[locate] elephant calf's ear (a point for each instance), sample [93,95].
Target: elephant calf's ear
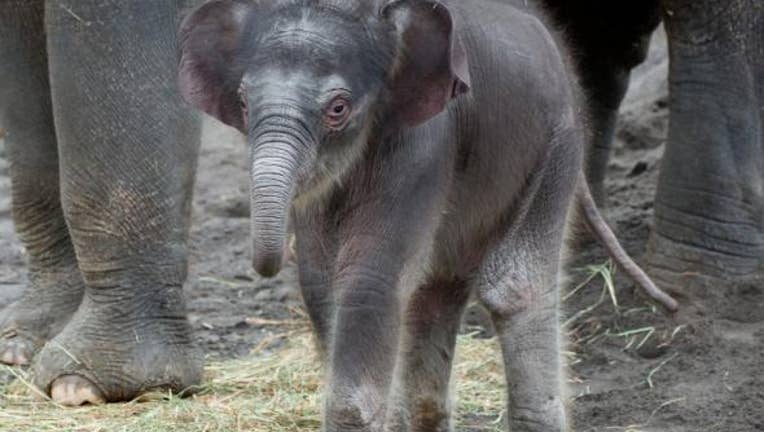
[207,71]
[431,67]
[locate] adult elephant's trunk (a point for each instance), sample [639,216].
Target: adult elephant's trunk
[275,163]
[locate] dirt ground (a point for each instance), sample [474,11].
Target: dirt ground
[631,368]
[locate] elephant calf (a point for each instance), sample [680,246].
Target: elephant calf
[421,150]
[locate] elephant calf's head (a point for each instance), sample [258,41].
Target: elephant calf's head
[312,83]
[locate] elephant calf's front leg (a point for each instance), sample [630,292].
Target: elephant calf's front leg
[372,263]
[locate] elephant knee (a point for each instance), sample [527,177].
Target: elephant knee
[515,295]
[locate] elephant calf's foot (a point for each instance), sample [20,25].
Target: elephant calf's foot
[353,415]
[113,354]
[43,310]
[426,415]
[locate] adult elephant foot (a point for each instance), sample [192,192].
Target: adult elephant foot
[42,311]
[704,280]
[674,262]
[116,352]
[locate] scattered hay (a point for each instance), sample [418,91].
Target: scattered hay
[278,387]
[269,391]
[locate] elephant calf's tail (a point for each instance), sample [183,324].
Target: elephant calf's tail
[602,231]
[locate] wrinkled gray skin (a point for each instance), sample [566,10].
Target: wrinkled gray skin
[100,201]
[709,206]
[452,171]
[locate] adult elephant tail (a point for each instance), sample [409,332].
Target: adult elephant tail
[588,209]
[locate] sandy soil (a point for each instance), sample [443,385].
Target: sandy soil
[632,368]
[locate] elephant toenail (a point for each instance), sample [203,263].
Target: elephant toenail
[73,390]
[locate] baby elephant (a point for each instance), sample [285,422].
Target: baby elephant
[421,150]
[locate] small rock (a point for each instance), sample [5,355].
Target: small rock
[652,349]
[264,295]
[286,292]
[639,168]
[241,325]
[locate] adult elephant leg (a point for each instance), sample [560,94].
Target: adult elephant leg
[709,208]
[608,40]
[55,285]
[128,154]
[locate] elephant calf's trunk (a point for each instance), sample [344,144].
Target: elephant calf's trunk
[274,169]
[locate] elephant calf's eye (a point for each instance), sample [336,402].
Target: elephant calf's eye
[337,113]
